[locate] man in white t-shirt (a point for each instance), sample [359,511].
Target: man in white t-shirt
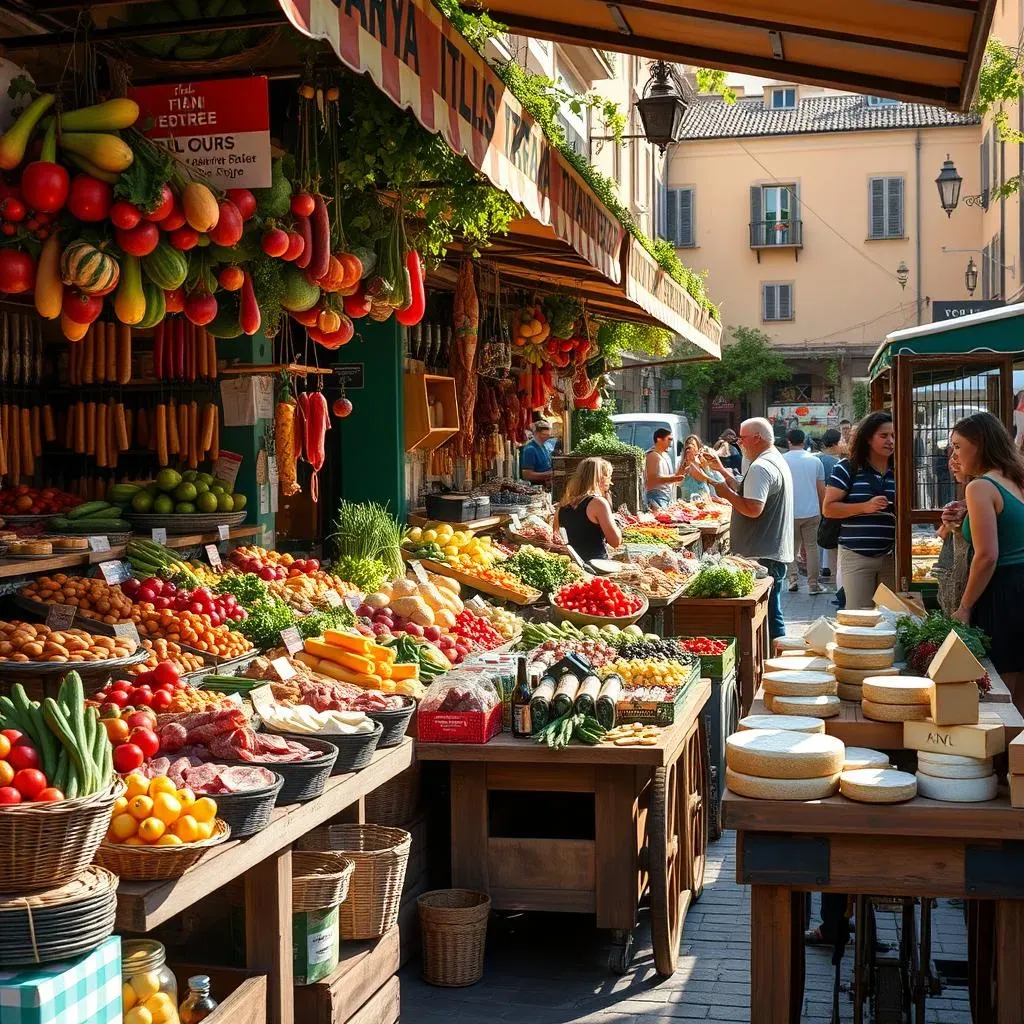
[808,493]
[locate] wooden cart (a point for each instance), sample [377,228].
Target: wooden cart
[648,828]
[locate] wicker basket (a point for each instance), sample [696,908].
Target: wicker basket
[154,863]
[47,844]
[247,58]
[355,750]
[319,880]
[303,780]
[454,927]
[396,802]
[395,723]
[375,892]
[248,811]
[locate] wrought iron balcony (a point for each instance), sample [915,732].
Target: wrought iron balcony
[776,234]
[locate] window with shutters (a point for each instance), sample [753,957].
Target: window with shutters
[776,302]
[986,163]
[679,217]
[885,208]
[775,216]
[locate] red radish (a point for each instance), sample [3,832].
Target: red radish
[90,199]
[164,207]
[228,229]
[124,215]
[200,308]
[305,229]
[17,272]
[249,310]
[296,245]
[175,300]
[184,238]
[175,219]
[140,240]
[230,278]
[79,307]
[341,407]
[275,242]
[244,200]
[302,204]
[358,305]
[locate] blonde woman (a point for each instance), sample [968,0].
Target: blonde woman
[585,512]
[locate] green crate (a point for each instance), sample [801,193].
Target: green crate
[655,712]
[716,666]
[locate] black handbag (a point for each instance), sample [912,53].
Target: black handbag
[828,532]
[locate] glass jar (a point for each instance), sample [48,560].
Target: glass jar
[199,1004]
[149,992]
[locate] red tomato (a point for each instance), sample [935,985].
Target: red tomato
[141,695]
[146,740]
[18,271]
[124,215]
[9,795]
[90,199]
[166,205]
[166,674]
[127,757]
[23,755]
[29,782]
[140,240]
[147,679]
[141,720]
[162,699]
[50,795]
[117,698]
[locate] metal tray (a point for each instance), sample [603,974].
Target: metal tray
[17,520]
[14,669]
[199,523]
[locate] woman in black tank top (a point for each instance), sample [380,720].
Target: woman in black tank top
[585,512]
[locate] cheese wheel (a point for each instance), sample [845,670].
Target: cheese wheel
[877,785]
[789,643]
[788,723]
[853,676]
[794,684]
[847,657]
[894,712]
[849,691]
[864,757]
[824,706]
[777,754]
[866,638]
[897,690]
[798,663]
[962,768]
[960,791]
[858,617]
[933,757]
[781,789]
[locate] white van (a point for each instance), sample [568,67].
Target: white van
[638,428]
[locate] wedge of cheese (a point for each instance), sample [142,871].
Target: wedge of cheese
[897,690]
[788,723]
[789,643]
[798,663]
[1016,754]
[954,663]
[986,739]
[894,712]
[819,635]
[796,684]
[777,754]
[864,757]
[1016,790]
[846,657]
[950,766]
[885,598]
[960,791]
[781,789]
[877,785]
[858,617]
[824,706]
[869,638]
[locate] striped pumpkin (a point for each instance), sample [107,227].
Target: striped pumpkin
[89,269]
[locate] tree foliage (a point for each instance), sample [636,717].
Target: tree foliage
[1000,83]
[861,400]
[713,80]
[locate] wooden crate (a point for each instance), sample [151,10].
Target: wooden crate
[627,482]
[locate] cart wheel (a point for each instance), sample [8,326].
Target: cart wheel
[620,956]
[696,816]
[669,881]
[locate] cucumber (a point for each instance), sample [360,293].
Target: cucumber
[98,526]
[108,512]
[86,508]
[60,522]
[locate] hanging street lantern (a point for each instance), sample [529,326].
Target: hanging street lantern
[971,276]
[902,274]
[661,107]
[949,183]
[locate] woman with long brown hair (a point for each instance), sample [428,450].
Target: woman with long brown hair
[585,513]
[993,599]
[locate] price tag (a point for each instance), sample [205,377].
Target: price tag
[214,556]
[128,629]
[115,572]
[477,603]
[224,531]
[333,599]
[60,616]
[419,572]
[262,698]
[514,522]
[159,534]
[99,544]
[284,668]
[291,640]
[354,601]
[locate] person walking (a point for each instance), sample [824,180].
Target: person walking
[828,539]
[762,501]
[993,599]
[585,512]
[535,459]
[660,475]
[862,495]
[808,491]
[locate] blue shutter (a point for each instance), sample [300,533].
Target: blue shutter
[876,193]
[685,235]
[672,215]
[785,301]
[770,308]
[894,208]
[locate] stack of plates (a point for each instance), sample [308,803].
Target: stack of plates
[955,777]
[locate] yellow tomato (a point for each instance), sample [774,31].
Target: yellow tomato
[133,841]
[145,985]
[169,839]
[429,536]
[186,797]
[415,534]
[162,784]
[138,785]
[140,807]
[166,807]
[205,829]
[451,549]
[204,809]
[138,1015]
[445,533]
[120,805]
[128,997]
[124,826]
[186,829]
[151,830]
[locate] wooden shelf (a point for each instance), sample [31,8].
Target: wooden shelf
[422,392]
[294,369]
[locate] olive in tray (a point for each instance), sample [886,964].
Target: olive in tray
[667,649]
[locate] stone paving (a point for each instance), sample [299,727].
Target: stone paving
[551,969]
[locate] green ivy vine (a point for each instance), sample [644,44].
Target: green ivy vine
[1001,82]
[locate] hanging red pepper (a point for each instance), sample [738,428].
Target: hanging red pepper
[413,314]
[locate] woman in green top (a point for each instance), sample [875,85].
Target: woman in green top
[993,599]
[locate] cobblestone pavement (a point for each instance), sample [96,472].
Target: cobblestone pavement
[551,969]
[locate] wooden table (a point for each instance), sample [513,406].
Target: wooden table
[745,618]
[645,814]
[265,861]
[922,848]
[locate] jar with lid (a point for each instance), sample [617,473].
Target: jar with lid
[149,992]
[198,1004]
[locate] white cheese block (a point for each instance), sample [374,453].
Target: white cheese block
[877,785]
[954,663]
[864,757]
[788,723]
[776,754]
[962,768]
[897,690]
[796,684]
[885,598]
[961,791]
[858,617]
[849,691]
[781,789]
[820,634]
[798,663]
[894,712]
[824,706]
[789,643]
[846,657]
[854,676]
[865,638]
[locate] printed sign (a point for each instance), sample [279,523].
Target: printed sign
[115,572]
[99,544]
[354,601]
[224,532]
[159,535]
[291,640]
[333,599]
[514,522]
[261,698]
[813,420]
[942,310]
[128,629]
[476,602]
[214,556]
[60,616]
[220,127]
[284,668]
[350,375]
[226,468]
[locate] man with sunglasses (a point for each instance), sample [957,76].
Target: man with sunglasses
[762,501]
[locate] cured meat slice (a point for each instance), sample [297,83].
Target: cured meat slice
[237,780]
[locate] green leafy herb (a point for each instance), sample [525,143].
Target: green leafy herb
[605,446]
[365,573]
[315,623]
[539,569]
[720,581]
[367,530]
[248,588]
[266,620]
[142,183]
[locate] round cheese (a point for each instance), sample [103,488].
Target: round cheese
[789,643]
[877,785]
[962,768]
[849,691]
[863,757]
[788,723]
[897,689]
[798,663]
[824,706]
[933,757]
[781,789]
[869,638]
[847,657]
[797,684]
[858,617]
[961,791]
[894,712]
[853,676]
[776,754]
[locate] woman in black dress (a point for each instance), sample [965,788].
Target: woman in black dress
[585,513]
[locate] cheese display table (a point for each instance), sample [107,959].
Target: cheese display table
[921,848]
[629,820]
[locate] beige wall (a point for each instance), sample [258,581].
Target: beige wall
[845,294]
